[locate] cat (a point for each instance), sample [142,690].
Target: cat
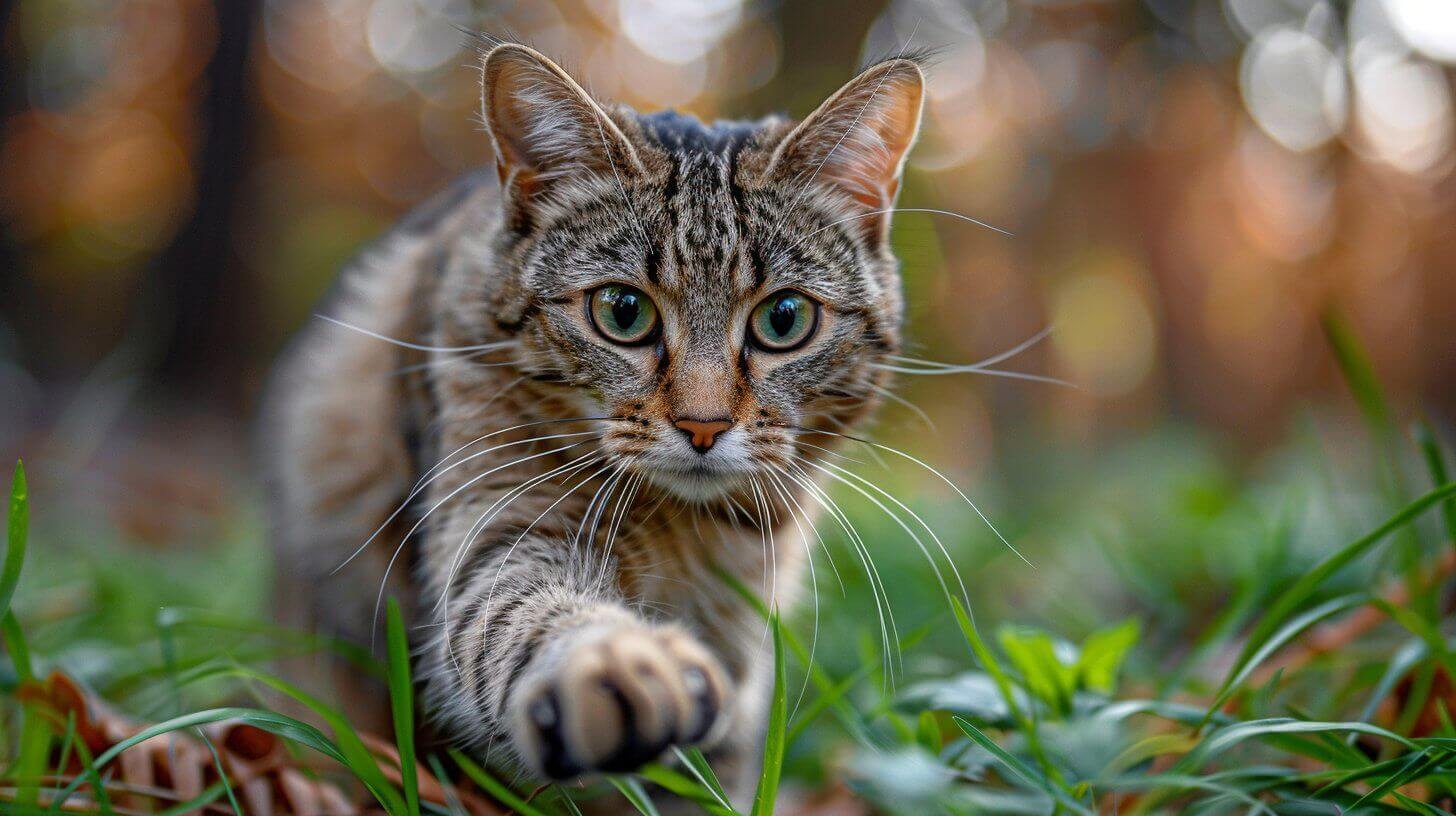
[557,403]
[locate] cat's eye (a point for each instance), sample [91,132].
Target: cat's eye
[623,314]
[783,321]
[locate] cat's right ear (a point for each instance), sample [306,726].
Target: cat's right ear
[545,127]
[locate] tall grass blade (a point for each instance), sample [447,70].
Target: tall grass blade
[1436,463]
[402,705]
[992,666]
[1302,589]
[1027,773]
[1277,641]
[697,764]
[17,530]
[348,748]
[35,732]
[497,789]
[34,751]
[847,715]
[284,726]
[632,791]
[778,723]
[90,775]
[686,787]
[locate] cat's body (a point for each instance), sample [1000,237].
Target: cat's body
[572,488]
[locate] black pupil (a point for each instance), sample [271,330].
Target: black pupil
[781,317]
[624,309]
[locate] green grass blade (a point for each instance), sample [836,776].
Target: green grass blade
[497,789]
[1436,464]
[284,726]
[452,802]
[347,747]
[1419,806]
[632,790]
[17,531]
[1359,375]
[778,722]
[196,804]
[1027,773]
[19,651]
[1286,633]
[222,776]
[686,787]
[1222,739]
[88,774]
[566,801]
[847,715]
[988,661]
[35,731]
[1417,767]
[697,764]
[1302,589]
[401,701]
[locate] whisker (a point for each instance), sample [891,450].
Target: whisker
[624,505]
[776,474]
[499,505]
[383,583]
[912,407]
[989,361]
[861,550]
[840,475]
[442,605]
[416,346]
[927,210]
[813,584]
[760,505]
[507,557]
[435,472]
[936,473]
[989,372]
[829,451]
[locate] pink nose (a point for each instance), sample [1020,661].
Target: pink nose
[702,433]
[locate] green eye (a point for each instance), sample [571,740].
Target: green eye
[784,321]
[622,314]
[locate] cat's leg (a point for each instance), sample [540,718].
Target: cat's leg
[543,654]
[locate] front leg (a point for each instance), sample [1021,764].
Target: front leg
[543,654]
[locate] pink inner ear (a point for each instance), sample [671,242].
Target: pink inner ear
[545,125]
[859,137]
[868,161]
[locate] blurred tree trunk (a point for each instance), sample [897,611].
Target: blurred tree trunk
[198,289]
[14,289]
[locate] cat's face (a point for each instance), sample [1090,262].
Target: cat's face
[718,291]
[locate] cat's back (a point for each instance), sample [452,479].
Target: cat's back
[330,432]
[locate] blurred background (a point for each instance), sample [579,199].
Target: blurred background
[1191,185]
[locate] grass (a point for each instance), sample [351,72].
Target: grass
[1192,639]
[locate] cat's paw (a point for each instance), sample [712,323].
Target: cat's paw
[613,699]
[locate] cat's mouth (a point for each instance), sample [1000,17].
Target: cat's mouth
[696,484]
[697,477]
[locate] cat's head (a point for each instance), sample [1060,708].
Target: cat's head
[717,288]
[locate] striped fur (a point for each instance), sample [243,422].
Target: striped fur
[561,546]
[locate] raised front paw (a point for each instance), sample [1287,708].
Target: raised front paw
[615,698]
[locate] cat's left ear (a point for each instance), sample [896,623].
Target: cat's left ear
[858,139]
[544,125]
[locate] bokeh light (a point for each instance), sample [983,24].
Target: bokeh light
[1190,185]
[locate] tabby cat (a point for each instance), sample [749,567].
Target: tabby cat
[557,403]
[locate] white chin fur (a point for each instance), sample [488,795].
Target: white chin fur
[698,484]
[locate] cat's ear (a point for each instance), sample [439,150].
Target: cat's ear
[544,125]
[858,139]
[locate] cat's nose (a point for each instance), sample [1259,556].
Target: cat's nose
[702,433]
